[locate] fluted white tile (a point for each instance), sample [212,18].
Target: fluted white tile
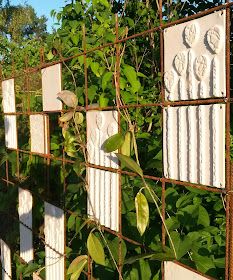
[25,218]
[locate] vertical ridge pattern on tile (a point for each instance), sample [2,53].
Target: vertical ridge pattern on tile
[39,131]
[25,218]
[54,242]
[10,132]
[103,198]
[173,271]
[6,261]
[8,96]
[51,86]
[182,148]
[194,143]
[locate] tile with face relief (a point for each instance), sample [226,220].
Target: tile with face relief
[103,198]
[194,58]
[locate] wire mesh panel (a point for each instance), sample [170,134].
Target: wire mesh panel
[103,201]
[190,108]
[5,261]
[25,218]
[54,242]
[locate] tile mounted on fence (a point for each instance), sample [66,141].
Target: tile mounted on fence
[195,60]
[51,86]
[39,131]
[25,217]
[103,201]
[10,125]
[8,96]
[194,144]
[55,245]
[173,271]
[5,261]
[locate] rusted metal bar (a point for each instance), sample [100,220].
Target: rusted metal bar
[229,198]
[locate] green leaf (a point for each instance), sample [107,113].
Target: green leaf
[130,163]
[142,212]
[203,264]
[78,118]
[172,223]
[77,266]
[113,143]
[126,147]
[133,259]
[103,101]
[66,117]
[50,55]
[106,79]
[95,68]
[203,217]
[95,249]
[131,76]
[220,262]
[182,246]
[114,248]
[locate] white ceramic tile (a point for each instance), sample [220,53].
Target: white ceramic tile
[8,96]
[5,261]
[103,200]
[55,239]
[194,58]
[25,217]
[51,86]
[194,144]
[10,132]
[173,271]
[38,131]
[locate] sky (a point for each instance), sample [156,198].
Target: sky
[43,7]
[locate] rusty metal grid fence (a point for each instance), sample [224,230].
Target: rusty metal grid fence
[227,192]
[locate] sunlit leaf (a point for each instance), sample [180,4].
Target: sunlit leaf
[79,118]
[142,212]
[130,163]
[77,266]
[113,143]
[95,249]
[126,147]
